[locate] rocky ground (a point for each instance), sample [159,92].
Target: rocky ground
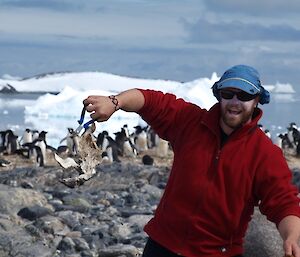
[41,217]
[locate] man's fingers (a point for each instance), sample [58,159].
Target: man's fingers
[98,117]
[90,100]
[90,108]
[94,116]
[291,249]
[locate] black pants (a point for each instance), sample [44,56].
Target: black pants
[153,249]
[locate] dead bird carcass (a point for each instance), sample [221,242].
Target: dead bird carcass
[87,157]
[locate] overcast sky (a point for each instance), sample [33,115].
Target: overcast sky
[167,39]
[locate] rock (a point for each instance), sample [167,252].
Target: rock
[13,199]
[119,250]
[33,212]
[147,160]
[154,192]
[139,220]
[8,89]
[51,225]
[81,244]
[120,231]
[67,245]
[262,239]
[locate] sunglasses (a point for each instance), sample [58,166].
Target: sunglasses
[241,95]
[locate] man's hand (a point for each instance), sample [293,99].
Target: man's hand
[289,229]
[100,107]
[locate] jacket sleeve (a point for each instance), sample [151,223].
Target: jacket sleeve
[165,113]
[277,196]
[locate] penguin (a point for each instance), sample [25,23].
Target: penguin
[35,134]
[2,141]
[71,141]
[152,138]
[126,130]
[27,136]
[140,139]
[129,150]
[261,127]
[108,146]
[291,137]
[120,138]
[278,140]
[26,141]
[38,149]
[102,141]
[129,146]
[268,133]
[76,140]
[113,149]
[162,148]
[296,135]
[11,143]
[106,156]
[298,149]
[124,144]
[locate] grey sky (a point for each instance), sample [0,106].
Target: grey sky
[166,39]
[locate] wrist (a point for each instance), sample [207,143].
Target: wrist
[114,101]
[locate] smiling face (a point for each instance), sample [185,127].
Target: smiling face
[234,112]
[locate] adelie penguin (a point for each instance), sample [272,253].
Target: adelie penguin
[38,149]
[140,139]
[27,136]
[11,144]
[72,142]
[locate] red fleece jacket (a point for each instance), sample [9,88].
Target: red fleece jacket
[211,192]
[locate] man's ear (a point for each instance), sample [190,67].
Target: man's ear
[257,99]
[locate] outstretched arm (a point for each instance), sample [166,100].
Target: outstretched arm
[289,229]
[102,107]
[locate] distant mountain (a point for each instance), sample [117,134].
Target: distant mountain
[55,82]
[8,89]
[82,81]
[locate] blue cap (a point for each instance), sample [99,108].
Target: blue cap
[245,78]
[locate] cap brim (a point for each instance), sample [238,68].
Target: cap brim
[239,84]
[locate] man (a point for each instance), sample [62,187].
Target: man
[223,166]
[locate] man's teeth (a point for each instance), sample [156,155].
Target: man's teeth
[234,112]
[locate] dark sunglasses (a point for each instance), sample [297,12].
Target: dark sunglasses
[241,95]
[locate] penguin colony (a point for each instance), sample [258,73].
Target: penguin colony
[83,152]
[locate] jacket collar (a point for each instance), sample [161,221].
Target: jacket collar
[212,120]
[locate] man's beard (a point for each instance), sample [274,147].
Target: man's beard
[236,121]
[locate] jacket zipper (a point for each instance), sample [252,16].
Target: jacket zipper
[217,157]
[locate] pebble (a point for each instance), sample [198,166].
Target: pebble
[41,217]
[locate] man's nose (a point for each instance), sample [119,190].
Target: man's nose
[234,99]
